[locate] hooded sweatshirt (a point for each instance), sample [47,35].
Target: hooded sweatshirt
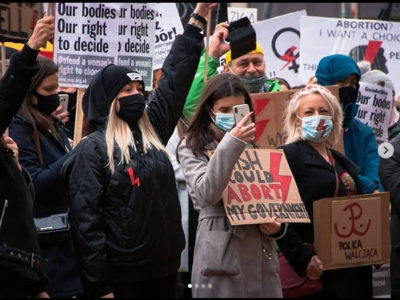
[359,139]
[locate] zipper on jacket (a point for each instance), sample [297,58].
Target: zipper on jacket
[3,213]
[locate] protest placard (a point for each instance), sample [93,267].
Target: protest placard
[90,36]
[85,40]
[168,26]
[373,40]
[137,23]
[269,111]
[280,39]
[352,231]
[375,108]
[262,187]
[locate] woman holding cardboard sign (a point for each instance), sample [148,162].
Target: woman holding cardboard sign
[313,124]
[229,261]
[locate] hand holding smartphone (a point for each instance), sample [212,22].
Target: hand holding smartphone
[64,98]
[240,111]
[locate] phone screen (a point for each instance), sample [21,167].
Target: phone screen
[240,111]
[64,98]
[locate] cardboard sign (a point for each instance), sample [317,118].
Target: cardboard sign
[17,21]
[352,231]
[262,187]
[375,108]
[269,111]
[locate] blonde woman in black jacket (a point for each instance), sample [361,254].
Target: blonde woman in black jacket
[125,211]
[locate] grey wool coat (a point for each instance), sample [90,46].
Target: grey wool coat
[229,261]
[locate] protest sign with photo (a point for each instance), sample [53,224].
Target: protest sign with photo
[90,36]
[375,107]
[17,21]
[262,187]
[352,231]
[168,26]
[280,39]
[370,40]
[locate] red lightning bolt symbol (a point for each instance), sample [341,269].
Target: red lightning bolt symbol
[132,176]
[259,106]
[288,56]
[322,127]
[285,180]
[372,51]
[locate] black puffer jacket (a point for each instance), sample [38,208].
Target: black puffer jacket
[128,226]
[17,229]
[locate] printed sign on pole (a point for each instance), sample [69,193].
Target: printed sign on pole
[168,26]
[84,41]
[136,39]
[373,41]
[280,39]
[90,36]
[375,108]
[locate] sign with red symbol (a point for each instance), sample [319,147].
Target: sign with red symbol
[269,112]
[352,231]
[262,187]
[375,41]
[280,39]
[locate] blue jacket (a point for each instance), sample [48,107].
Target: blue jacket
[359,140]
[361,147]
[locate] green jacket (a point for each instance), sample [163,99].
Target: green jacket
[198,84]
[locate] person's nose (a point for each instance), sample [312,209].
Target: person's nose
[251,69]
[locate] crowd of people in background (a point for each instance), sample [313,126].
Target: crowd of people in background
[141,184]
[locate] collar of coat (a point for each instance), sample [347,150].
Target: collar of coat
[312,157]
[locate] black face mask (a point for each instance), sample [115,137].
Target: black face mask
[347,95]
[131,108]
[47,104]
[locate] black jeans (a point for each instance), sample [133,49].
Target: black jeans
[153,288]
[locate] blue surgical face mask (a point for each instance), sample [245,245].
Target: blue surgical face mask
[316,128]
[224,122]
[253,84]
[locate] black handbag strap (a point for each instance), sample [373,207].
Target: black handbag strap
[332,160]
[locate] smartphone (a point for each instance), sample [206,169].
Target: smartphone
[64,98]
[240,111]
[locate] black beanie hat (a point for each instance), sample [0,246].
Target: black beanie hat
[103,89]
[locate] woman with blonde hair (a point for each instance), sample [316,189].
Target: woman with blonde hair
[125,210]
[313,124]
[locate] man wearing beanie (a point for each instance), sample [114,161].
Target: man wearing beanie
[125,213]
[359,139]
[250,68]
